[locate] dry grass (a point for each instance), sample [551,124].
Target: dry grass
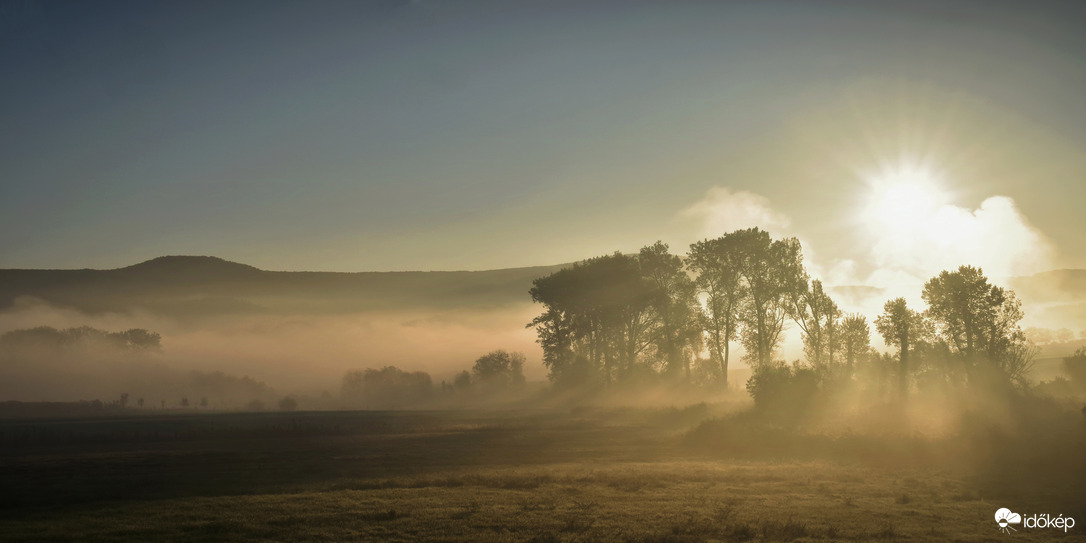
[555,478]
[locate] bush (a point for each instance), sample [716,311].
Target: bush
[387,387]
[288,404]
[783,391]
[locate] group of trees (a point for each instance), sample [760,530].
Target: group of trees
[614,317]
[47,337]
[1045,336]
[608,315]
[495,372]
[617,317]
[969,333]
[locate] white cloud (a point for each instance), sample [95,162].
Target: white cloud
[722,210]
[995,237]
[905,249]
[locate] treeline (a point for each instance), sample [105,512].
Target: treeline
[1046,336]
[627,317]
[655,316]
[116,370]
[47,337]
[495,375]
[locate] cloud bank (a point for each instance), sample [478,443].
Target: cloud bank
[995,237]
[900,255]
[722,210]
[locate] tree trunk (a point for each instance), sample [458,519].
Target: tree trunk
[724,364]
[903,371]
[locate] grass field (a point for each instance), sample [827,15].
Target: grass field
[580,475]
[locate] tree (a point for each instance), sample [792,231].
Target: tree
[597,318]
[817,316]
[499,368]
[978,321]
[772,270]
[676,332]
[124,400]
[138,339]
[184,402]
[855,339]
[387,387]
[462,381]
[139,403]
[288,403]
[719,267]
[900,327]
[961,304]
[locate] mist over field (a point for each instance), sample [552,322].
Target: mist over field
[542,272]
[299,333]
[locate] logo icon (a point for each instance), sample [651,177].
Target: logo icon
[1004,518]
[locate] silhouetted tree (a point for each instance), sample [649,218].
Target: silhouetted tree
[676,332]
[217,384]
[978,321]
[900,327]
[288,403]
[499,368]
[718,265]
[139,403]
[462,380]
[124,400]
[773,270]
[184,402]
[597,318]
[781,391]
[388,386]
[855,339]
[138,339]
[817,316]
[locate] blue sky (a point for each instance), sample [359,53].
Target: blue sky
[356,136]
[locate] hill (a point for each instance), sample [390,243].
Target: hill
[194,286]
[202,286]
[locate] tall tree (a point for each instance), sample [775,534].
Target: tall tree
[817,316]
[977,320]
[772,270]
[597,317]
[855,338]
[718,264]
[901,327]
[961,303]
[674,306]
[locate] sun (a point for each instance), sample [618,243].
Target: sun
[903,199]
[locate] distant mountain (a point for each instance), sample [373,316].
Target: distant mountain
[195,286]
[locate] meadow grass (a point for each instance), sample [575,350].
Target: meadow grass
[485,477]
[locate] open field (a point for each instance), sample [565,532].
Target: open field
[580,475]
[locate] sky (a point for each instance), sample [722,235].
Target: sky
[894,139]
